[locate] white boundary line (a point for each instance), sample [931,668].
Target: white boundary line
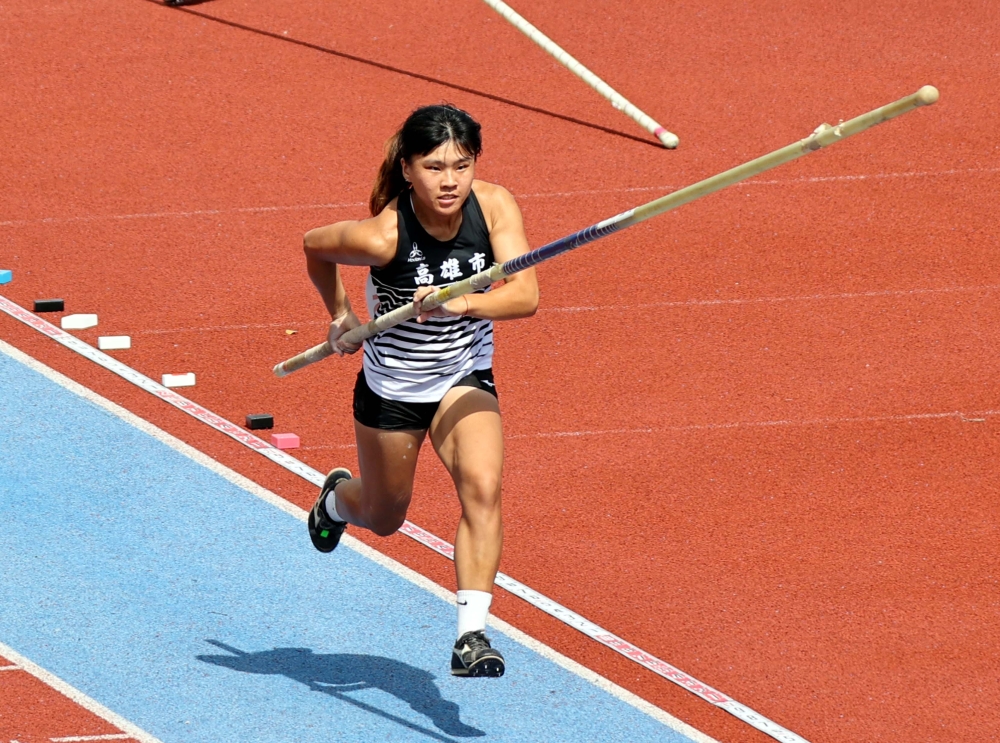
[74,738]
[132,731]
[382,560]
[410,529]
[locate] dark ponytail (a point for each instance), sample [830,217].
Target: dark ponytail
[425,130]
[389,182]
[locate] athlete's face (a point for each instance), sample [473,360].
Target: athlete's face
[441,179]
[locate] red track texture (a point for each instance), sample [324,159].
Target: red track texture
[33,712]
[756,437]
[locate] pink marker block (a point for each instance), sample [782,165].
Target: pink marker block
[285,440]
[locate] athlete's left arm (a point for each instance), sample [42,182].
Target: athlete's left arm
[518,295]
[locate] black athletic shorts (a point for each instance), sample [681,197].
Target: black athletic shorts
[392,415]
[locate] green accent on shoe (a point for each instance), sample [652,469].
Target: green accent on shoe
[324,532]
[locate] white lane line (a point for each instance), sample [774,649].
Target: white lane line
[771,182]
[113,736]
[10,668]
[877,176]
[630,308]
[191,213]
[441,546]
[975,417]
[133,731]
[546,195]
[290,325]
[623,308]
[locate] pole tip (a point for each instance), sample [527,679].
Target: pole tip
[279,371]
[927,95]
[669,139]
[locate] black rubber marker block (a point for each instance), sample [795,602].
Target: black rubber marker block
[49,305]
[262,420]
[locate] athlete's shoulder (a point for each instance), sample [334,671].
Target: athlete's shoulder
[388,218]
[385,231]
[495,201]
[490,191]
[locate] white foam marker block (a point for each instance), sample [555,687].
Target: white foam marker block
[178,380]
[78,322]
[114,342]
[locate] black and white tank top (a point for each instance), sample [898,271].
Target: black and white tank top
[420,362]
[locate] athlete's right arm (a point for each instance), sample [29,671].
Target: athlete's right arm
[366,242]
[369,242]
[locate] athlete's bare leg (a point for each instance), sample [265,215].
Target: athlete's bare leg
[467,435]
[379,498]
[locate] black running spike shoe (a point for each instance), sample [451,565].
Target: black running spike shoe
[324,531]
[473,656]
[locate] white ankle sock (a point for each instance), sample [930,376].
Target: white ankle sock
[473,607]
[331,507]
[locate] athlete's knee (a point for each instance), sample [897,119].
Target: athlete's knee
[388,513]
[481,495]
[388,523]
[484,487]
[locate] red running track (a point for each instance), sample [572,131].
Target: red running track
[756,437]
[32,711]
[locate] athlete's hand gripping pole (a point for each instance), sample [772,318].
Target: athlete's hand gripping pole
[823,136]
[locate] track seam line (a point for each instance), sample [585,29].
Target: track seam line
[91,705]
[539,195]
[441,546]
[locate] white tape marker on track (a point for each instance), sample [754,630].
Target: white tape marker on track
[410,529]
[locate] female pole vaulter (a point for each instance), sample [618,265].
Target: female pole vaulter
[431,224]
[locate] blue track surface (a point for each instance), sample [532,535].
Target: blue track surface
[202,613]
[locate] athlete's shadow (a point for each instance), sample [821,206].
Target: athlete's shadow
[337,673]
